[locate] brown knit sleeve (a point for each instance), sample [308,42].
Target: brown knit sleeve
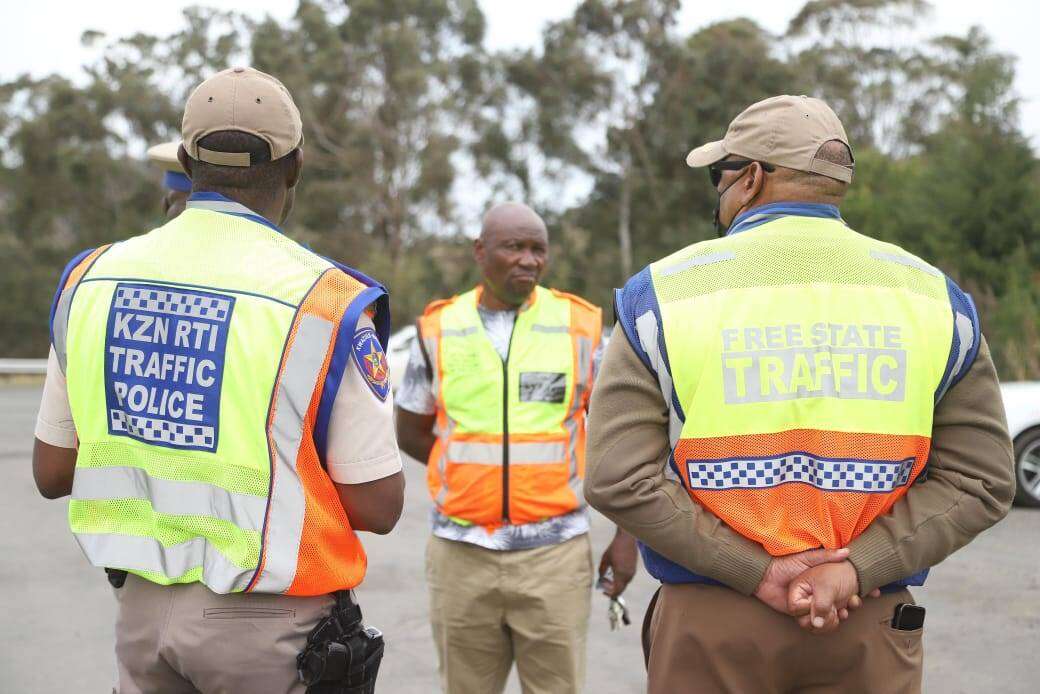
[969,487]
[627,459]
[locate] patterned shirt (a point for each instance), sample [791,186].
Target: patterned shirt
[415,394]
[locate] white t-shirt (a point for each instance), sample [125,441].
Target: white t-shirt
[362,444]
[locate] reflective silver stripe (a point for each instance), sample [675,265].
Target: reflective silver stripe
[219,206]
[573,480]
[442,462]
[646,328]
[697,261]
[292,398]
[148,554]
[876,476]
[173,497]
[432,350]
[582,383]
[550,328]
[458,332]
[905,260]
[432,345]
[966,337]
[61,326]
[521,453]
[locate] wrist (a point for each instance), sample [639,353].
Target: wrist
[851,575]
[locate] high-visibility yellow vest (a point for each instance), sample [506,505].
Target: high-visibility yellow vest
[802,363]
[510,433]
[200,363]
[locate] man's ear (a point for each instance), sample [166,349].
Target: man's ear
[185,160]
[756,180]
[295,168]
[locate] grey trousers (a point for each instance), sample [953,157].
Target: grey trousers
[187,639]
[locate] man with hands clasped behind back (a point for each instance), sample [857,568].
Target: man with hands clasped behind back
[798,413]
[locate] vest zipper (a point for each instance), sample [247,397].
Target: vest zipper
[505,422]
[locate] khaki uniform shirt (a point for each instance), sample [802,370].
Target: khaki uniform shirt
[970,482]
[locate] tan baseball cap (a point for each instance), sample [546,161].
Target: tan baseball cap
[246,100]
[784,130]
[165,156]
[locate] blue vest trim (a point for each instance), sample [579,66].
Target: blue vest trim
[965,328]
[69,267]
[341,353]
[636,299]
[204,197]
[763,214]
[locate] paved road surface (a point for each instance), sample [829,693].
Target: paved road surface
[983,632]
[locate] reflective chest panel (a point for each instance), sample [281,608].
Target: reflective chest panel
[802,362]
[198,359]
[510,433]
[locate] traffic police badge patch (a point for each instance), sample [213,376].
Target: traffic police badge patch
[371,362]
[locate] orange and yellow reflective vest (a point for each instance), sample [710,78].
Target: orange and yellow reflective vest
[510,433]
[801,362]
[202,362]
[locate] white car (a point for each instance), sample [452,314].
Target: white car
[400,344]
[1022,403]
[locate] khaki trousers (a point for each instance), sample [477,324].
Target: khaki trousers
[489,608]
[712,639]
[185,639]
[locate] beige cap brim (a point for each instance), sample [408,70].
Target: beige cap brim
[706,155]
[165,155]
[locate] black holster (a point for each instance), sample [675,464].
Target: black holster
[342,655]
[116,577]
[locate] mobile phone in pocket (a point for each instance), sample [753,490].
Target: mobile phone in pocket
[908,617]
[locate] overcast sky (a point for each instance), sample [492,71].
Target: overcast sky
[42,36]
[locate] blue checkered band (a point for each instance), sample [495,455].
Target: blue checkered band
[169,302]
[832,475]
[162,431]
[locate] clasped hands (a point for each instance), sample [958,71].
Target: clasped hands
[818,588]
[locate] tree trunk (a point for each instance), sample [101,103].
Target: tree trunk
[624,223]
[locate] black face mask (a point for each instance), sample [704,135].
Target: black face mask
[719,229]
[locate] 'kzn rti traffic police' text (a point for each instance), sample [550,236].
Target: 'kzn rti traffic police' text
[164,364]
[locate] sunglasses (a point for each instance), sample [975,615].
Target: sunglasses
[716,169]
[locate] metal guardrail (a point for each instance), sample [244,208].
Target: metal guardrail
[23,366]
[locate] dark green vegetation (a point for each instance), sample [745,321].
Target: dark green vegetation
[413,126]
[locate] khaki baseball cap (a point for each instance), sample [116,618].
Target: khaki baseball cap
[165,156]
[246,100]
[785,131]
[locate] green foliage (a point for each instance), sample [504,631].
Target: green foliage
[412,127]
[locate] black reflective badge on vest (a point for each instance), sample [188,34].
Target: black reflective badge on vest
[542,386]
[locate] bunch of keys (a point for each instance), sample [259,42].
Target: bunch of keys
[617,610]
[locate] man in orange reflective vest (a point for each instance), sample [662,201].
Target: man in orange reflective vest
[494,400]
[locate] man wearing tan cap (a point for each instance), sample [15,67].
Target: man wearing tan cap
[218,406]
[766,426]
[176,183]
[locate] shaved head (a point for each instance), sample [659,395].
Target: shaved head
[509,216]
[512,252]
